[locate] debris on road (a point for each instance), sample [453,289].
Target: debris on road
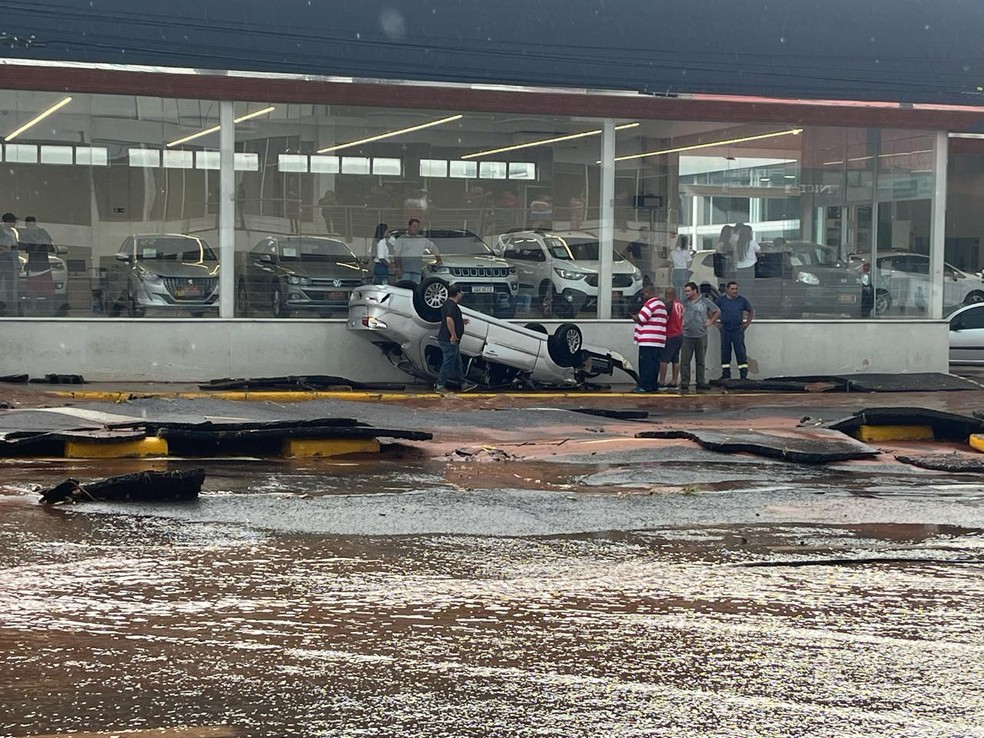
[146,486]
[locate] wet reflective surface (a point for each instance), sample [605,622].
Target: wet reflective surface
[340,599]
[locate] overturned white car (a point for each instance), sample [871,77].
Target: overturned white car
[495,353]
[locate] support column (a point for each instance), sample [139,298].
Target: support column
[937,237]
[607,235]
[227,210]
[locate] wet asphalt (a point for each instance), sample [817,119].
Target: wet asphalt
[601,589]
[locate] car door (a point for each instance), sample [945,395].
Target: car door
[967,336]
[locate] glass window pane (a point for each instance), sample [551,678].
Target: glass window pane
[463,169]
[355,165]
[96,156]
[247,162]
[207,160]
[321,164]
[22,153]
[522,170]
[492,170]
[292,163]
[145,158]
[433,168]
[56,154]
[179,159]
[387,166]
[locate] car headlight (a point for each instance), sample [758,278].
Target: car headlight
[512,270]
[57,266]
[807,278]
[295,279]
[438,269]
[636,276]
[148,276]
[570,274]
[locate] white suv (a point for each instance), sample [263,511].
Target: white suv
[560,271]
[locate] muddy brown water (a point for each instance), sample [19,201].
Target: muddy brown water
[354,599]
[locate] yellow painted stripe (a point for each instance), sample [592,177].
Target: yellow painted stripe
[308,447]
[116,450]
[361,396]
[977,441]
[870,433]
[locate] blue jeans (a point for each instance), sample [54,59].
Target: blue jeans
[649,367]
[733,338]
[451,365]
[380,273]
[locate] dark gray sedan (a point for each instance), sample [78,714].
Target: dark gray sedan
[286,274]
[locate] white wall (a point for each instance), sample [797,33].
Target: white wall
[198,350]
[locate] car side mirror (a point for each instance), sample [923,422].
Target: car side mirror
[61,250]
[266,258]
[126,258]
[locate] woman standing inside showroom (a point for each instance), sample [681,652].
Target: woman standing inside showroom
[380,255]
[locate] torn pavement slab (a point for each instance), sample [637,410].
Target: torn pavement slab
[812,446]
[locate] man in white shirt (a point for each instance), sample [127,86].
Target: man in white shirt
[408,251]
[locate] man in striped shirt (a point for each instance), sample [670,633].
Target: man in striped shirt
[650,336]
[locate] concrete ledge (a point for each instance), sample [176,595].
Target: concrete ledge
[116,450]
[875,433]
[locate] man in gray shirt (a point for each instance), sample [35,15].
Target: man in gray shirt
[408,252]
[698,314]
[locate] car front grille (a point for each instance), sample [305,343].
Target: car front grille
[493,272]
[618,280]
[328,283]
[177,286]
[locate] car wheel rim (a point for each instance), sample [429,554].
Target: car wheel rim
[881,303]
[435,295]
[975,298]
[573,341]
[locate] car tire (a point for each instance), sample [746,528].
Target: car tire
[974,297]
[242,300]
[429,298]
[277,303]
[883,302]
[564,346]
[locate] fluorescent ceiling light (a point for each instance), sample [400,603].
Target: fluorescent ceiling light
[544,141]
[726,142]
[213,129]
[399,132]
[38,118]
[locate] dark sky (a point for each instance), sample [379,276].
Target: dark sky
[894,50]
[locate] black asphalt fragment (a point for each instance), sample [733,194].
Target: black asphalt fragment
[804,447]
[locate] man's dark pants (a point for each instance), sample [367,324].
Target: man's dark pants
[733,338]
[649,367]
[696,349]
[451,365]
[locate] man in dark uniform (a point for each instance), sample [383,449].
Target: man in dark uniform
[449,338]
[736,316]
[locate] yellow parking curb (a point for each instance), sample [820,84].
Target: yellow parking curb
[355,396]
[116,449]
[977,441]
[874,433]
[312,447]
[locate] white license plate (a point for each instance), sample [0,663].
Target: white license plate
[483,289]
[193,291]
[847,298]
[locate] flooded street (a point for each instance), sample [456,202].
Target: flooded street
[348,599]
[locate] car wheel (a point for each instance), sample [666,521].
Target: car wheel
[564,346]
[883,302]
[430,297]
[277,303]
[242,300]
[974,297]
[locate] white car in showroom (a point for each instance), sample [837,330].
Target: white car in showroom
[560,271]
[495,353]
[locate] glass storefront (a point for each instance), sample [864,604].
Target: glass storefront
[125,193]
